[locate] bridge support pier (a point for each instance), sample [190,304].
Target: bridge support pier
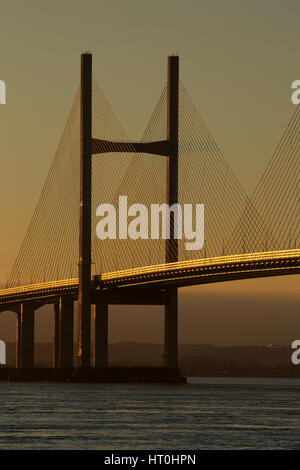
[56,336]
[25,336]
[100,334]
[63,333]
[171,328]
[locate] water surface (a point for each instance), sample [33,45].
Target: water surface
[207,413]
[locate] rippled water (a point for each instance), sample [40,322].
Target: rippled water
[204,414]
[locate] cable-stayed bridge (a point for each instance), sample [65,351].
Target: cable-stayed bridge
[61,260]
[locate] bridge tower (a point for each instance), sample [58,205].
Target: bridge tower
[171,305]
[84,303]
[89,146]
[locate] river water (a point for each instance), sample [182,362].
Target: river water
[206,413]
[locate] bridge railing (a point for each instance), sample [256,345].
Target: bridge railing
[201,262]
[40,286]
[158,268]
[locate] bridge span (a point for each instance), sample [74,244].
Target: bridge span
[179,274]
[148,285]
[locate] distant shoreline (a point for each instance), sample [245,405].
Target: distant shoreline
[250,375]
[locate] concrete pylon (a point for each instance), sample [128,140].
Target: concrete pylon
[63,333]
[100,334]
[171,328]
[25,336]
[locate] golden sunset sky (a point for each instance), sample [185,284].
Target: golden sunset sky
[237,61]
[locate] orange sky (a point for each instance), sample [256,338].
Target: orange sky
[238,60]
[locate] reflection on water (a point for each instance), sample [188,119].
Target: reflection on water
[206,413]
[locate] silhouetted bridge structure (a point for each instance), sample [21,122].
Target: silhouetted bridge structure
[245,237]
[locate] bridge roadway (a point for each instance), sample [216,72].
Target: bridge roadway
[148,285]
[161,276]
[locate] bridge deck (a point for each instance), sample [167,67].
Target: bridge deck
[181,273]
